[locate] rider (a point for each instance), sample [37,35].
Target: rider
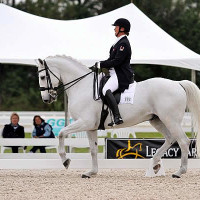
[121,73]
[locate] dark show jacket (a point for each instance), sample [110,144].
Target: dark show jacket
[120,56]
[10,132]
[40,130]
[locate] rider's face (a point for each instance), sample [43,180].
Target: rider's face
[116,30]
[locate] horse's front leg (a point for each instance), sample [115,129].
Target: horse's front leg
[93,141]
[61,150]
[77,126]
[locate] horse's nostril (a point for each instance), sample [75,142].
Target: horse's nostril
[45,101]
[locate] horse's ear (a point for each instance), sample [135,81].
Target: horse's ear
[40,61]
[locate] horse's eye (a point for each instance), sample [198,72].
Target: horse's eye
[42,77]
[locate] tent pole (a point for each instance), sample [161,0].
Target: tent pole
[193,76]
[66,107]
[66,111]
[193,79]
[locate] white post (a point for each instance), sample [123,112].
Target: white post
[66,113]
[193,79]
[66,107]
[193,76]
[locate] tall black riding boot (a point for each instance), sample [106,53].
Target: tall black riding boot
[104,114]
[114,107]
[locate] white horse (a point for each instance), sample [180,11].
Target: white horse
[160,101]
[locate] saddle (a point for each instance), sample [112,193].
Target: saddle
[104,111]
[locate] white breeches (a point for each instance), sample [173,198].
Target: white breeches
[112,84]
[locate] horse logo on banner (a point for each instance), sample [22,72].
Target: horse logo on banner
[121,153]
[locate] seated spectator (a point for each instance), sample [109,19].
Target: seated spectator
[13,130]
[41,130]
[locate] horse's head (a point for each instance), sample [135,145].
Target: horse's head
[49,78]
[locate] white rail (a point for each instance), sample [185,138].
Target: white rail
[79,160]
[86,163]
[26,120]
[47,142]
[40,156]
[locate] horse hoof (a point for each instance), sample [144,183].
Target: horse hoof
[66,163]
[175,176]
[85,176]
[156,168]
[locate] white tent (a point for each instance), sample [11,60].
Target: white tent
[25,37]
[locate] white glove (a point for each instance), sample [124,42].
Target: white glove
[97,64]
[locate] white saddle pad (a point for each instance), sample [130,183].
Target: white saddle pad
[128,95]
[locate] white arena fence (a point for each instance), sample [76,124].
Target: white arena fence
[57,120]
[79,160]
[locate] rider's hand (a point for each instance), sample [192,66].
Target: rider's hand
[93,68]
[97,65]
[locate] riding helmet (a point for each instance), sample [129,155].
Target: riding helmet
[122,22]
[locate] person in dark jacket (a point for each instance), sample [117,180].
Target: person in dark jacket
[118,63]
[41,130]
[13,130]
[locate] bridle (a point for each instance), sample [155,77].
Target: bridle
[53,90]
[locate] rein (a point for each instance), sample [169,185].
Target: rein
[72,82]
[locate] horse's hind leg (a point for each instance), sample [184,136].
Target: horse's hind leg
[159,126]
[178,134]
[184,143]
[92,136]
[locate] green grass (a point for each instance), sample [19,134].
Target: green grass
[100,148]
[155,135]
[148,135]
[86,150]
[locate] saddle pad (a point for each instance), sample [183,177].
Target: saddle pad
[128,95]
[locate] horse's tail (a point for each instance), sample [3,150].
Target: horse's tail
[193,104]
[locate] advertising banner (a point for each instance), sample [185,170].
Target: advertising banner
[57,124]
[143,148]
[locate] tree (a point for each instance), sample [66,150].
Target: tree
[19,90]
[77,9]
[60,9]
[181,20]
[110,5]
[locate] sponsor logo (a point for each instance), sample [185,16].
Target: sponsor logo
[172,152]
[144,148]
[57,125]
[121,153]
